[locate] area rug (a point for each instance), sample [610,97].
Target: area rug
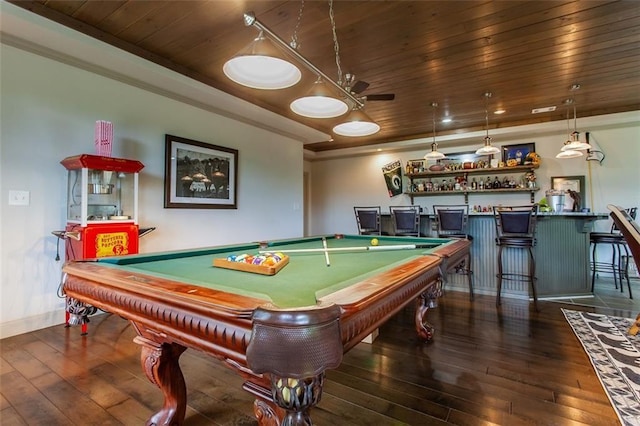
[615,356]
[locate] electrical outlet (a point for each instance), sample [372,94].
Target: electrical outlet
[18,198]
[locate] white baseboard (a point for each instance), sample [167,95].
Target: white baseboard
[36,322]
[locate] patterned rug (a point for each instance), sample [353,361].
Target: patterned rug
[615,356]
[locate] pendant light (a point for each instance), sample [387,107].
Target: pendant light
[356,123]
[327,98]
[262,66]
[574,143]
[566,152]
[487,149]
[434,154]
[319,103]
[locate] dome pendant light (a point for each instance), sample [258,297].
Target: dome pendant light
[487,149]
[574,142]
[327,98]
[319,103]
[565,151]
[434,154]
[356,123]
[260,66]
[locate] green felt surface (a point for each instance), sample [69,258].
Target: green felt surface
[299,283]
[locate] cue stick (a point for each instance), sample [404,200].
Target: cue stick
[365,248]
[326,251]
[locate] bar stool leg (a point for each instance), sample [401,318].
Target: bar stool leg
[469,281]
[593,267]
[532,277]
[614,267]
[624,268]
[499,275]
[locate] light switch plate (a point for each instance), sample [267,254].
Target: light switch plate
[18,198]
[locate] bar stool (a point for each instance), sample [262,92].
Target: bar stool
[451,222]
[406,220]
[619,265]
[515,228]
[368,220]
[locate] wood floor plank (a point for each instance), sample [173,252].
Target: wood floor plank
[10,417]
[393,412]
[79,408]
[32,406]
[103,393]
[486,366]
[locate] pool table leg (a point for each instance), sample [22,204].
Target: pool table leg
[297,397]
[428,299]
[160,364]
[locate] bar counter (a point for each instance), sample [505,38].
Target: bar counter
[562,255]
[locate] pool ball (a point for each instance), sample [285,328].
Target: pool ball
[374,241]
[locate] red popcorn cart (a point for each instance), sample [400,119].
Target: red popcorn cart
[102,214]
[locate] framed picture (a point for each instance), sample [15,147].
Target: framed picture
[415,166]
[465,160]
[392,173]
[199,175]
[517,153]
[574,188]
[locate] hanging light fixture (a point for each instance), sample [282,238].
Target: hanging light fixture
[262,66]
[356,123]
[566,152]
[487,149]
[321,101]
[434,154]
[574,143]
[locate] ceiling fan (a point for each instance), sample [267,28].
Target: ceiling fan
[358,86]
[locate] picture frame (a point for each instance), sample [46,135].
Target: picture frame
[415,166]
[199,175]
[574,183]
[465,160]
[517,152]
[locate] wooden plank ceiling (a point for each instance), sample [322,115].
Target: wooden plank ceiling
[527,53]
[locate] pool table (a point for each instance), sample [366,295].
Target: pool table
[279,332]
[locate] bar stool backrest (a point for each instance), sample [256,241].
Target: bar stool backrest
[406,220]
[629,228]
[451,220]
[630,212]
[368,220]
[516,221]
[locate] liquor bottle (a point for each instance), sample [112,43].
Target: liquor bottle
[481,185]
[474,184]
[488,184]
[496,183]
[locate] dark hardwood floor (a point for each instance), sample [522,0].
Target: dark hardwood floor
[507,366]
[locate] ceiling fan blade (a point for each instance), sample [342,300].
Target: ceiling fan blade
[359,86]
[381,97]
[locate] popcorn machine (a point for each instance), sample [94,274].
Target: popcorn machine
[102,215]
[102,206]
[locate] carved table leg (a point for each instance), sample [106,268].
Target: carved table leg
[297,397]
[428,299]
[265,414]
[160,364]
